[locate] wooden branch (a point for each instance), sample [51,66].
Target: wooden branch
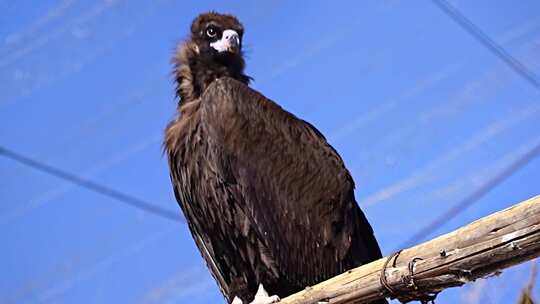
[480,249]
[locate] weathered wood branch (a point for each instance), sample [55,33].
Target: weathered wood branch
[480,249]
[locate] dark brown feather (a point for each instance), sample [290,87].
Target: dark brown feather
[267,194]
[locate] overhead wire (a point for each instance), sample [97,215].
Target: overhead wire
[507,172]
[120,196]
[489,43]
[473,197]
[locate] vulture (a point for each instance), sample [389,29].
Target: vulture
[268,201]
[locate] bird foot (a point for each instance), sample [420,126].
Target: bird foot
[237,300]
[261,297]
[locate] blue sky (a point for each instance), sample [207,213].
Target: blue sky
[420,111]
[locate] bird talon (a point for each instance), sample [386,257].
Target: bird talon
[262,297]
[237,300]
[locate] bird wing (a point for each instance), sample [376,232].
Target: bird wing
[295,191]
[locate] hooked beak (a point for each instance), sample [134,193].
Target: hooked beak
[229,42]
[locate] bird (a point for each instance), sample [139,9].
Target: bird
[268,201]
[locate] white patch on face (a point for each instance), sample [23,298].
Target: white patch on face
[227,41]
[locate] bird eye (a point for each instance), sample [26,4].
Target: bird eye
[211,32]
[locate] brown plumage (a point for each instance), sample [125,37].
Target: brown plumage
[267,199]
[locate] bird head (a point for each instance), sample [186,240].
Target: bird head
[213,50]
[218,34]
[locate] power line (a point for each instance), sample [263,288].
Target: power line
[92,186]
[474,197]
[489,43]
